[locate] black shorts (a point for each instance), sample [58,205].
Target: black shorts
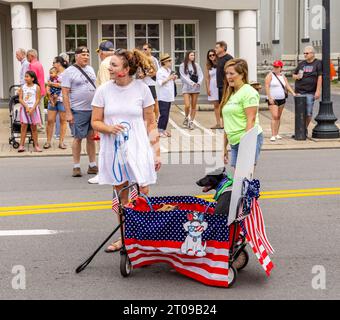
[153,91]
[278,102]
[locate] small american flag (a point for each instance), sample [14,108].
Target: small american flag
[157,237]
[133,193]
[256,236]
[115,201]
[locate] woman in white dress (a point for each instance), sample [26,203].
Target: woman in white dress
[211,85]
[123,113]
[192,78]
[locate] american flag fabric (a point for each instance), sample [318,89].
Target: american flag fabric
[255,231]
[158,237]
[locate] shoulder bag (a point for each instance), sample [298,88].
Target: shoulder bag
[283,86]
[85,74]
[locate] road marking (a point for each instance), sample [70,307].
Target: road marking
[173,123]
[58,205]
[11,233]
[106,205]
[197,124]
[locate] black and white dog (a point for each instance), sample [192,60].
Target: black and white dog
[220,181]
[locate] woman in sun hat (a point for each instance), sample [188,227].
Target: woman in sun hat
[277,88]
[166,93]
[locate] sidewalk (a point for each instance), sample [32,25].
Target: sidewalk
[182,140]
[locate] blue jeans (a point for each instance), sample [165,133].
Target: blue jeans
[234,151]
[164,111]
[57,126]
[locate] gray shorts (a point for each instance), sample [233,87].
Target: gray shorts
[82,124]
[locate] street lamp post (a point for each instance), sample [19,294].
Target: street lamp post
[326,128]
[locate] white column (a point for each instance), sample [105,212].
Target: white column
[47,38]
[21,33]
[247,40]
[225,30]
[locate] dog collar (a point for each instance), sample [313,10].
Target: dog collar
[224,184]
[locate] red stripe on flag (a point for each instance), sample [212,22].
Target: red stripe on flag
[210,256]
[173,244]
[195,276]
[203,266]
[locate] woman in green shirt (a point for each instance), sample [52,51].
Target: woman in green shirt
[239,109]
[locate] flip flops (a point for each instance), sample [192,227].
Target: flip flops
[21,149]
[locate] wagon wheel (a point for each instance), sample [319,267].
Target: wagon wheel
[242,260]
[232,275]
[125,265]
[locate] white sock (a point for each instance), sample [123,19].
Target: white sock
[77,165]
[93,164]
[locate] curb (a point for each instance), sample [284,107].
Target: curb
[264,149]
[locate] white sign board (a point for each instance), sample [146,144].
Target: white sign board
[244,168]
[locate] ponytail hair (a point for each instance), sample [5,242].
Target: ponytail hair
[33,75]
[135,60]
[62,61]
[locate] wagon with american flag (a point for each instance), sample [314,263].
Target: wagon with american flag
[190,237]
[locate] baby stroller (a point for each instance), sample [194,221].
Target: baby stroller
[14,115]
[190,238]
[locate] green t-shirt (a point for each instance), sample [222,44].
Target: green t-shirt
[234,115]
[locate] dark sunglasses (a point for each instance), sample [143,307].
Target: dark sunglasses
[212,55]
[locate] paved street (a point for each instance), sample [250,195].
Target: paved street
[303,227]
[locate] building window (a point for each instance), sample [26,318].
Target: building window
[306,19]
[74,34]
[148,33]
[117,33]
[185,38]
[276,20]
[132,34]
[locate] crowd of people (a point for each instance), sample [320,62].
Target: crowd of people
[128,104]
[70,92]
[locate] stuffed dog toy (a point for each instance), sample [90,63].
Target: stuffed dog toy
[220,181]
[193,244]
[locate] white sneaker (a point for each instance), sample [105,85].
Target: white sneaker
[94,180]
[191,125]
[186,122]
[278,137]
[272,139]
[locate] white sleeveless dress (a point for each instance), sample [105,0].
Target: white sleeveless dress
[213,85]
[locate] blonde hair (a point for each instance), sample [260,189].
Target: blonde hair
[135,59]
[241,67]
